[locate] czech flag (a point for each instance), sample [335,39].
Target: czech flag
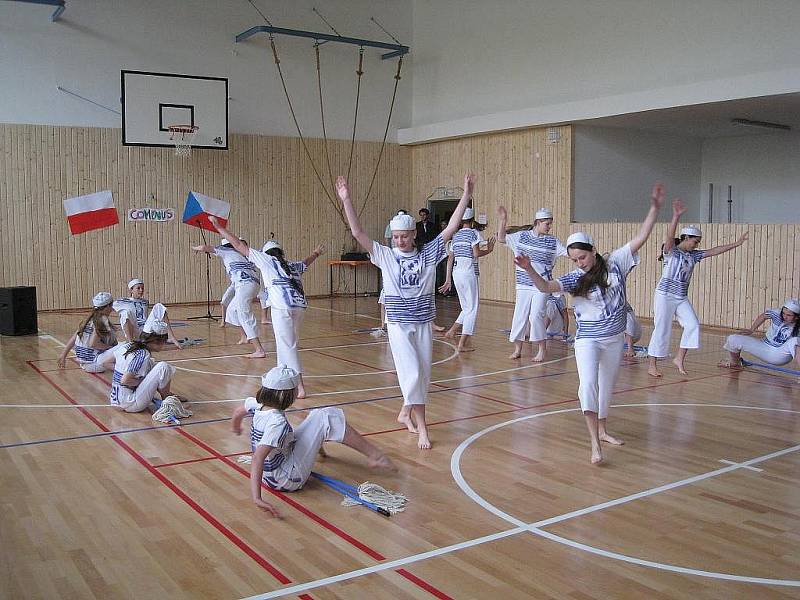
[93,211]
[198,207]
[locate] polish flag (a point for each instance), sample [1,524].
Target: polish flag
[93,211]
[198,207]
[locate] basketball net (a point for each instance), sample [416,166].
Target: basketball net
[182,136]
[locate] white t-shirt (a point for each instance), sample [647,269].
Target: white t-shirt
[778,332]
[238,268]
[542,250]
[678,269]
[409,280]
[136,363]
[285,289]
[462,244]
[602,312]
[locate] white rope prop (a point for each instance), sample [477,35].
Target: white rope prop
[171,408]
[379,496]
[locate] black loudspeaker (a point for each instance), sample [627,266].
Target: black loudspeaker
[18,311]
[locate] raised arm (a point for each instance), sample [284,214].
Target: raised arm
[204,248]
[256,473]
[350,212]
[458,213]
[477,252]
[502,224]
[677,210]
[542,284]
[232,238]
[656,202]
[726,247]
[318,251]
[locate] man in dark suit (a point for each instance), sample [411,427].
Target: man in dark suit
[426,229]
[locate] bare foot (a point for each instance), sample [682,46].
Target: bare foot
[515,355]
[382,463]
[301,392]
[438,327]
[729,364]
[679,365]
[467,349]
[405,418]
[257,354]
[222,323]
[597,456]
[423,443]
[322,452]
[242,340]
[653,371]
[539,356]
[610,439]
[629,353]
[451,333]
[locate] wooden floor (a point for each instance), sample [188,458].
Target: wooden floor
[702,502]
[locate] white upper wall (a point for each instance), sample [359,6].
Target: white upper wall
[763,173]
[615,170]
[483,66]
[94,39]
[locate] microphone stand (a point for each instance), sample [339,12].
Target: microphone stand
[208,314]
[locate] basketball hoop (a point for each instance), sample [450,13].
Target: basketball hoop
[182,136]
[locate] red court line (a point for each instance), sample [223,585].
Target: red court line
[315,517]
[174,488]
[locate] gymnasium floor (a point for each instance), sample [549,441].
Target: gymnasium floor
[703,500]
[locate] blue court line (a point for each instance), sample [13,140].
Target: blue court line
[291,410]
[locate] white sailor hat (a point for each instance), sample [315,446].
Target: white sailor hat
[101,299]
[270,245]
[692,230]
[793,305]
[280,378]
[157,327]
[543,213]
[402,223]
[580,237]
[224,241]
[469,214]
[134,282]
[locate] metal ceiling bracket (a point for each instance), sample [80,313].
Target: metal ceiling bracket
[59,4]
[397,49]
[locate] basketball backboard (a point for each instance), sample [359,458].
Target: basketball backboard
[151,102]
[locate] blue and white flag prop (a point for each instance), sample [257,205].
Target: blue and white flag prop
[199,207]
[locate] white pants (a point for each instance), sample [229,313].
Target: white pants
[138,399]
[632,327]
[760,349]
[157,314]
[412,351]
[598,364]
[96,366]
[466,283]
[530,308]
[227,297]
[556,320]
[321,425]
[263,298]
[240,311]
[664,310]
[286,325]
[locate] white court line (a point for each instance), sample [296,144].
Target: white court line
[534,527]
[320,394]
[730,462]
[438,362]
